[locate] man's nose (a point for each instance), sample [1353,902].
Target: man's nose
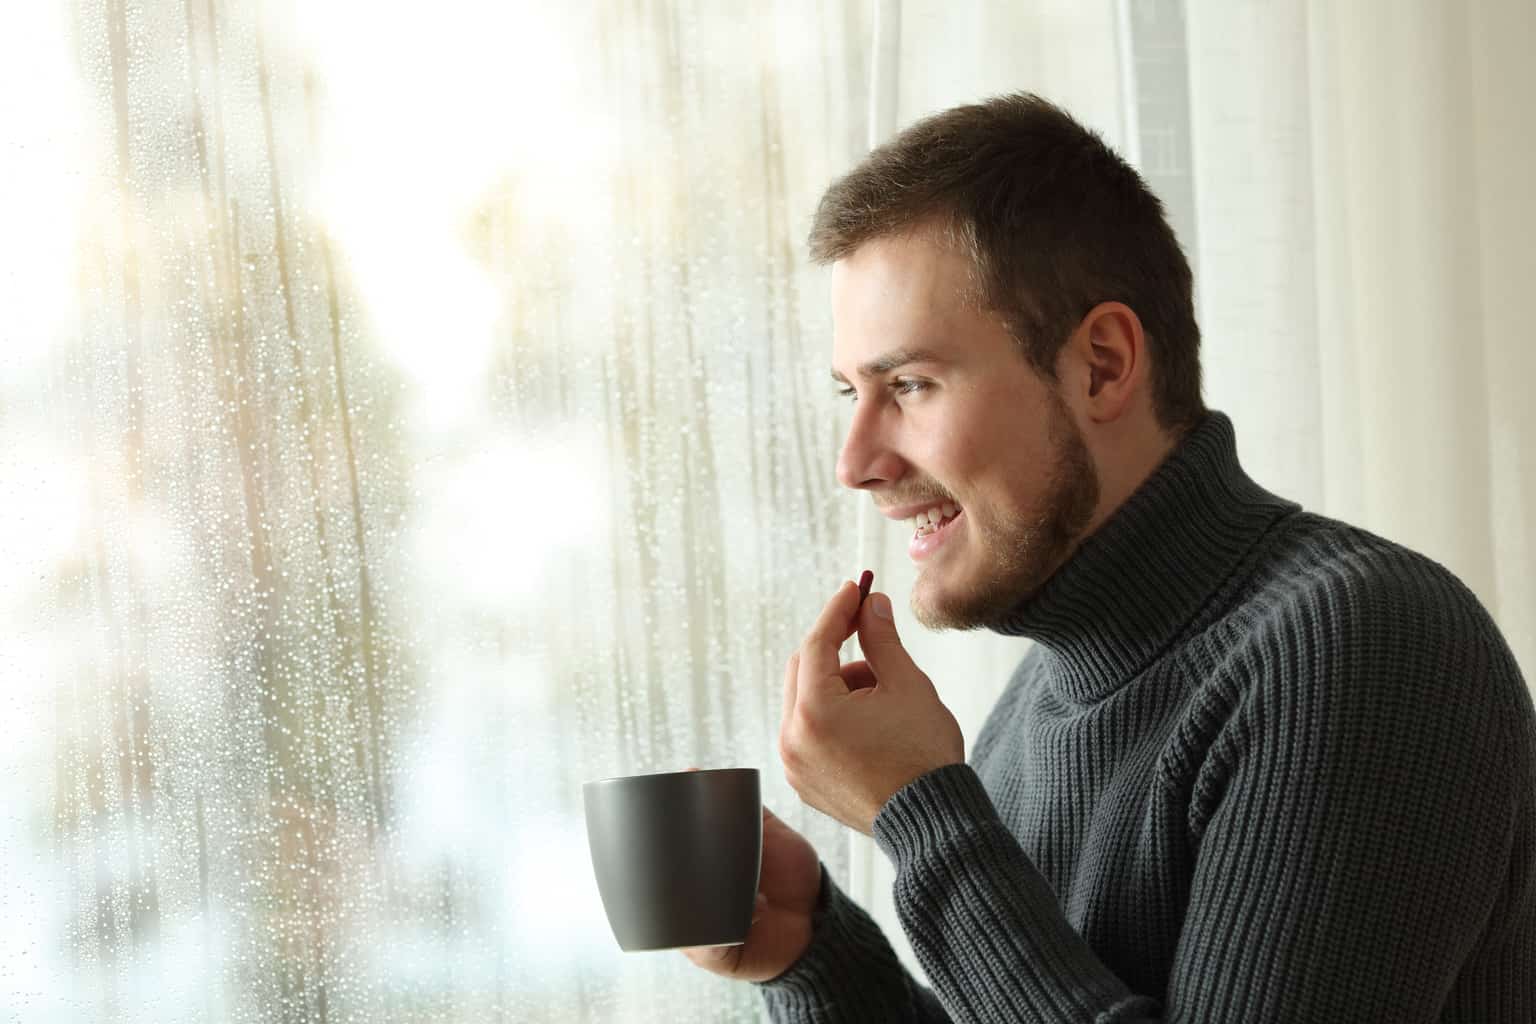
[867,458]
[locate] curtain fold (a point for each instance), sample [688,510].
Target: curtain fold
[1421,236]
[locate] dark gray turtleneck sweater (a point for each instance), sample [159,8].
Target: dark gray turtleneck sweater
[1259,766]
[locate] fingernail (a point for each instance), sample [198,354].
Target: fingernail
[880,605]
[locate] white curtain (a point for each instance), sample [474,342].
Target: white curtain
[1351,183]
[408,412]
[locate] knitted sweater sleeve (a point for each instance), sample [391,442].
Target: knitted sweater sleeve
[849,973]
[1352,824]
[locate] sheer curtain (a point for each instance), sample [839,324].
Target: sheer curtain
[408,413]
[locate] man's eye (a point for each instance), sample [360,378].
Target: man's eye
[901,386]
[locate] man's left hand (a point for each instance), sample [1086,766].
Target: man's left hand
[854,734]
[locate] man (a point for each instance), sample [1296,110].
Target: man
[1259,765]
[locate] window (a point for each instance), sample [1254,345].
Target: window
[408,413]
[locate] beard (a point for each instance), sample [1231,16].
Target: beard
[1026,548]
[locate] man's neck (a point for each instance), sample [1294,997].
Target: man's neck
[1132,585]
[1124,456]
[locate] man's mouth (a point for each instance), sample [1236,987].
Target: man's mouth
[932,519]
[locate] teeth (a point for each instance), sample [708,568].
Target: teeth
[929,520]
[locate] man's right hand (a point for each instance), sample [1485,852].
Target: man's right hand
[788,886]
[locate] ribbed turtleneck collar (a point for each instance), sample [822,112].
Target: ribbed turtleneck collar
[1135,582]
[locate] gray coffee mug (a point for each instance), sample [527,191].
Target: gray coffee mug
[677,855]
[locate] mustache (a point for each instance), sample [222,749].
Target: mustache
[915,498]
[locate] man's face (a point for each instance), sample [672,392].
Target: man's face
[947,411]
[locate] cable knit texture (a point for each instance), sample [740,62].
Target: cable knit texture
[1259,766]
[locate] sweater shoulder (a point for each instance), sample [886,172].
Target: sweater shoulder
[1307,553]
[1330,605]
[1316,571]
[1379,654]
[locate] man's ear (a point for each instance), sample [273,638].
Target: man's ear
[1109,363]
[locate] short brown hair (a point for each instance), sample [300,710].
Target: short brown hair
[1053,221]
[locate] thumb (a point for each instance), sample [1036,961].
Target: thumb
[879,640]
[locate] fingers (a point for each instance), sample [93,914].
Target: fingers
[815,666]
[791,671]
[818,653]
[858,675]
[882,645]
[712,958]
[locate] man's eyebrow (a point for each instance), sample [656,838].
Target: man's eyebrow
[892,360]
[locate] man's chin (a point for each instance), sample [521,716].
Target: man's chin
[940,603]
[938,609]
